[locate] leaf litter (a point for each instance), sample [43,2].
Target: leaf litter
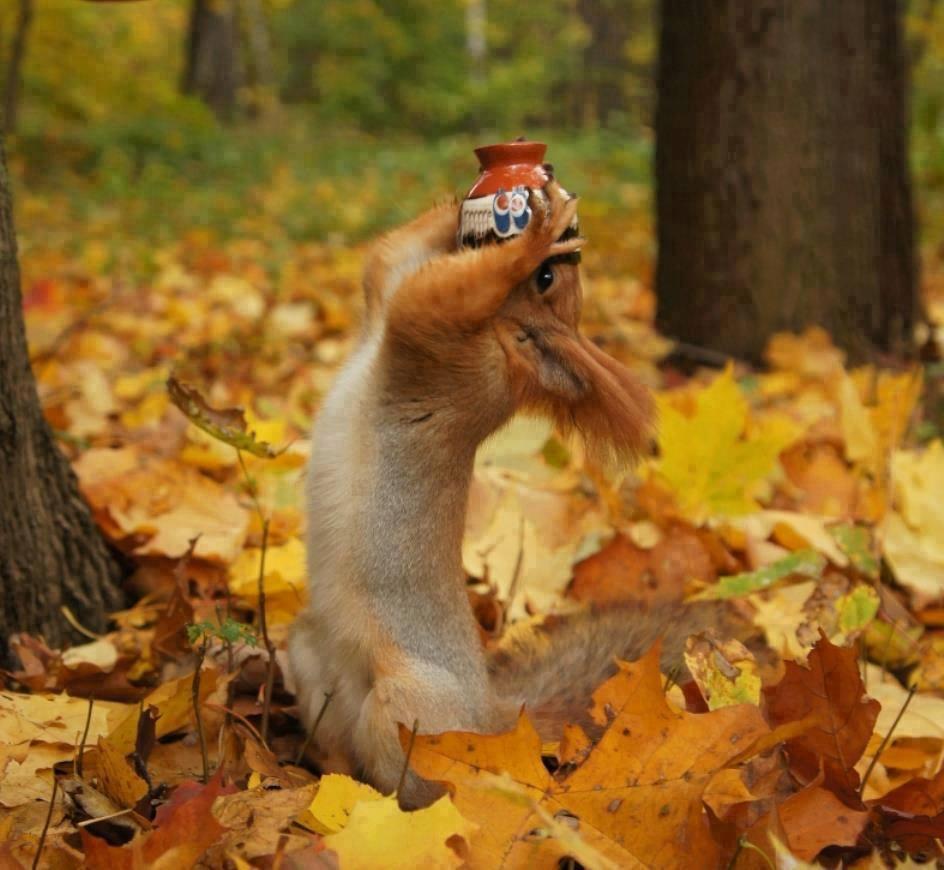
[800,493]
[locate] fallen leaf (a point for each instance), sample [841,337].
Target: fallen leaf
[158,506]
[803,563]
[815,818]
[380,834]
[330,810]
[832,690]
[709,460]
[725,671]
[637,796]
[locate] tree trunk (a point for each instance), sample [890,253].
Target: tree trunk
[605,64]
[783,195]
[51,553]
[212,70]
[14,74]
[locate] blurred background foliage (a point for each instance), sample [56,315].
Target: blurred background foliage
[348,114]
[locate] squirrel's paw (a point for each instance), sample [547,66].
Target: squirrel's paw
[553,214]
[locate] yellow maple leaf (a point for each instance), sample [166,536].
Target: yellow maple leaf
[330,810]
[380,834]
[284,580]
[716,461]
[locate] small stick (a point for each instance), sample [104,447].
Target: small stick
[263,624]
[195,697]
[884,743]
[409,752]
[115,815]
[88,723]
[42,836]
[311,734]
[74,622]
[516,574]
[264,628]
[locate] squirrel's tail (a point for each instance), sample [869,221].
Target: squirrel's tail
[554,669]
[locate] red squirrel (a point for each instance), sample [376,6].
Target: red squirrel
[455,342]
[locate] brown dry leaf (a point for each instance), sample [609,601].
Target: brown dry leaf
[117,778]
[54,718]
[184,829]
[815,818]
[830,688]
[619,570]
[259,818]
[636,797]
[819,479]
[174,701]
[157,506]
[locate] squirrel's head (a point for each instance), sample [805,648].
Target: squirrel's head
[554,369]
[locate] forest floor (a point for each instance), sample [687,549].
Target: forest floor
[809,493]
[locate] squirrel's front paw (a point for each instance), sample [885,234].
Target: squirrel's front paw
[554,213]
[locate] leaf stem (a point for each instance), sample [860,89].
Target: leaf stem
[885,740]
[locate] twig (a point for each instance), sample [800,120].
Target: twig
[409,752]
[264,628]
[311,734]
[516,574]
[263,623]
[88,723]
[74,622]
[114,815]
[195,696]
[884,743]
[42,836]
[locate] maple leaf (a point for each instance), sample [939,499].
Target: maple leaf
[711,461]
[185,828]
[380,834]
[831,689]
[636,798]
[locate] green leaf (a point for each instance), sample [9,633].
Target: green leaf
[856,543]
[857,609]
[807,563]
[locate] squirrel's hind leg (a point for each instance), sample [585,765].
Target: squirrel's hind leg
[437,705]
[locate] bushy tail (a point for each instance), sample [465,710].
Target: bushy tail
[554,669]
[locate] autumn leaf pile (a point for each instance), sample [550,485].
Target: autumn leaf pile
[808,494]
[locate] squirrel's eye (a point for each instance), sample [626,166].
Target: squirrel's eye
[544,277]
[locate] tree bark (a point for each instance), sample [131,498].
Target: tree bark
[14,74]
[51,553]
[212,70]
[783,195]
[605,65]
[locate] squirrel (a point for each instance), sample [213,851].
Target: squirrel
[455,342]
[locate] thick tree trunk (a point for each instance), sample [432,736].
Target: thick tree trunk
[212,70]
[14,72]
[51,553]
[783,195]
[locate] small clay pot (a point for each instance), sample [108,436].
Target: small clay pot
[497,208]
